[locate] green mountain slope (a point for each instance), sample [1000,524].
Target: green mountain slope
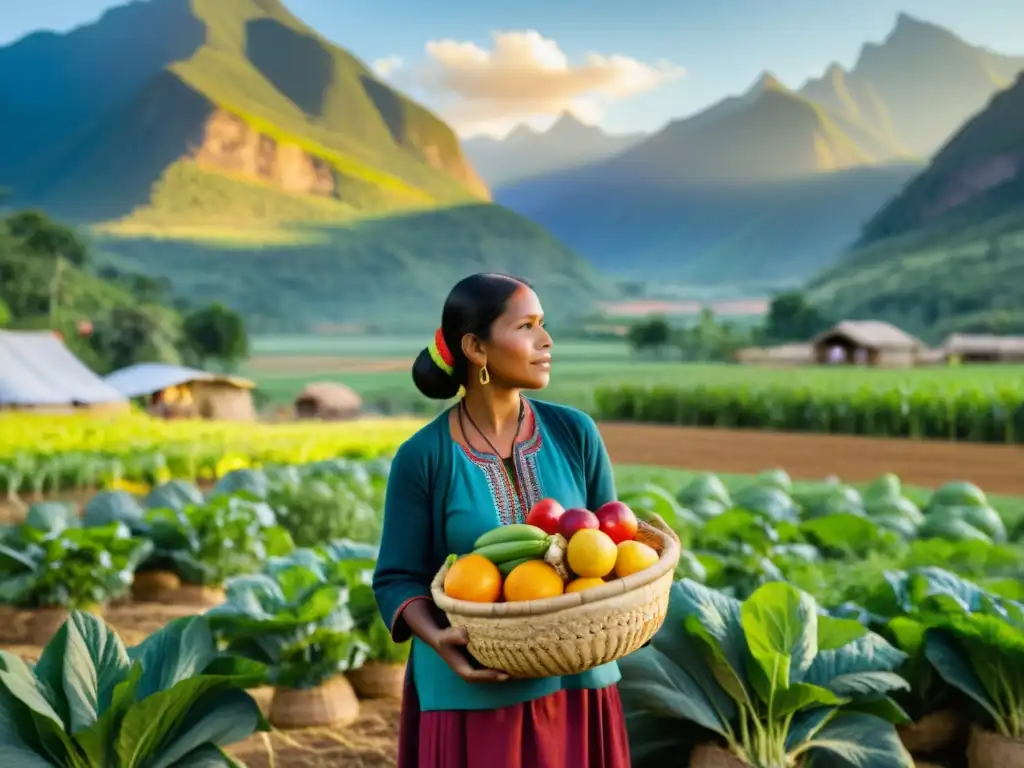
[947,253]
[246,135]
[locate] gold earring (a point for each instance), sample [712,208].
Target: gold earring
[485,375]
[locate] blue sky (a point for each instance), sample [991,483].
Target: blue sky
[662,58]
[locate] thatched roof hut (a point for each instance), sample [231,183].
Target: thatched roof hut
[187,392]
[866,342]
[327,400]
[984,348]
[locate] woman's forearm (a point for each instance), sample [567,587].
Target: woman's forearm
[424,620]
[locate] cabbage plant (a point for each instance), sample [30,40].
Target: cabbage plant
[66,567]
[778,683]
[211,542]
[295,617]
[171,702]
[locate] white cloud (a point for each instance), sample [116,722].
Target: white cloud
[387,66]
[525,77]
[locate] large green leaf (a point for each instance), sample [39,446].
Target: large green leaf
[15,730]
[182,649]
[207,756]
[82,664]
[781,626]
[863,666]
[800,696]
[954,668]
[652,682]
[98,741]
[856,740]
[719,614]
[218,719]
[22,684]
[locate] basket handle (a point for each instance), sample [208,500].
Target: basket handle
[656,521]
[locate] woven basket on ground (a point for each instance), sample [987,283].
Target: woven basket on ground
[992,750]
[571,633]
[155,586]
[377,680]
[714,756]
[330,705]
[932,733]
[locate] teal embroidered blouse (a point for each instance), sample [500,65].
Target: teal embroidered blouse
[441,496]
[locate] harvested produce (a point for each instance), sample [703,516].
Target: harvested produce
[592,554]
[473,578]
[533,580]
[576,520]
[545,515]
[633,557]
[535,564]
[582,583]
[617,520]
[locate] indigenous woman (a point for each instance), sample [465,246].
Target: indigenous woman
[482,463]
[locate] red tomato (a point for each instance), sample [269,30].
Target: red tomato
[618,521]
[545,514]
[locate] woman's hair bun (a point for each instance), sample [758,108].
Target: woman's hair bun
[431,381]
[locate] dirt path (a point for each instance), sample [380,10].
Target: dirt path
[324,364]
[996,468]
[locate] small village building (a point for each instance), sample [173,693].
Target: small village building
[866,342]
[328,400]
[983,348]
[176,392]
[783,355]
[38,372]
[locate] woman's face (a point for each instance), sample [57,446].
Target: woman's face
[518,353]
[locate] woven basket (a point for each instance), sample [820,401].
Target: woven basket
[993,750]
[571,633]
[933,733]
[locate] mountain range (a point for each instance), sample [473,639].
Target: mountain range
[526,152]
[227,146]
[202,138]
[946,254]
[773,184]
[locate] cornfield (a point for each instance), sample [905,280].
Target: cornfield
[972,413]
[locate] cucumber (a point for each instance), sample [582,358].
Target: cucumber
[513,532]
[513,550]
[510,565]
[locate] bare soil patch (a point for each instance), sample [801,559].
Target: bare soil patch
[995,468]
[323,364]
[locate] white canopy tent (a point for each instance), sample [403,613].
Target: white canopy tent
[36,369]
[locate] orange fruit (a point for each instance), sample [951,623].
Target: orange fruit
[591,553]
[473,578]
[634,556]
[533,580]
[578,585]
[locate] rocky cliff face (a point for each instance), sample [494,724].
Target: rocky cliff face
[232,145]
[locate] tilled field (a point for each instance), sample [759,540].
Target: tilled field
[996,468]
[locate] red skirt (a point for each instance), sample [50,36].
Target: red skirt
[568,729]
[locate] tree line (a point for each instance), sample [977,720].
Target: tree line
[110,317]
[790,318]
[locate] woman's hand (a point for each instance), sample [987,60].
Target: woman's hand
[429,624]
[449,643]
